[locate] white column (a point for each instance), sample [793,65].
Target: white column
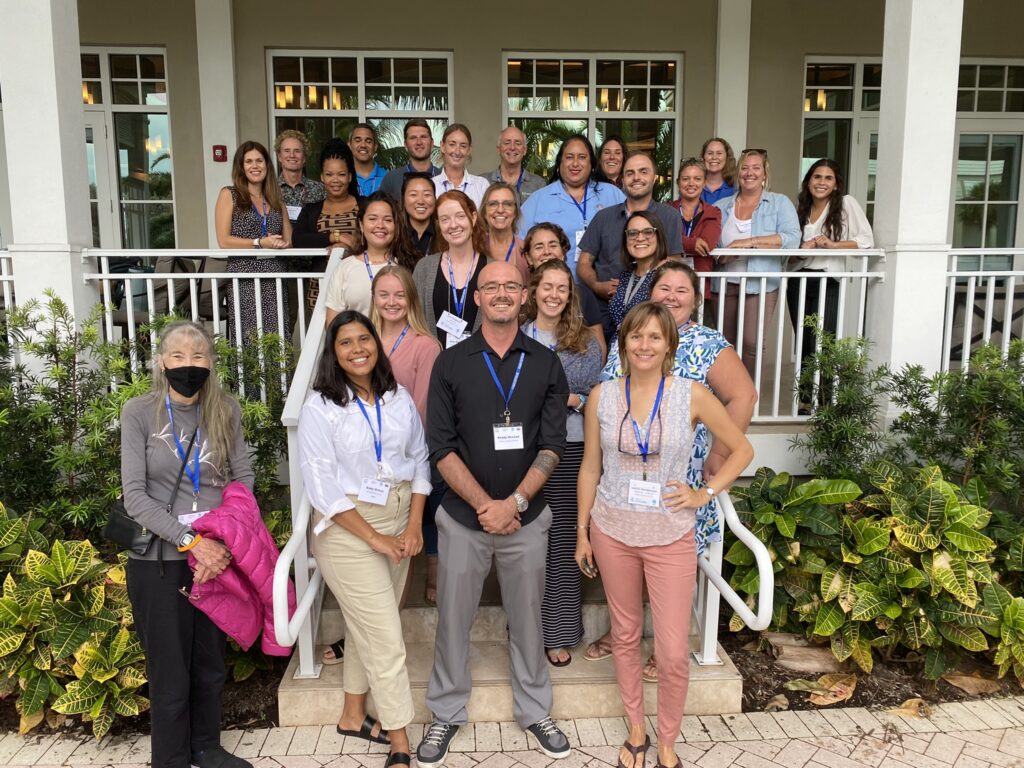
[916,136]
[216,47]
[732,71]
[45,145]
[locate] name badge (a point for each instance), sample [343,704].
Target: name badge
[508,437]
[579,236]
[293,212]
[451,340]
[645,494]
[451,324]
[191,517]
[374,491]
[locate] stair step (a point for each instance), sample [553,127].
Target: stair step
[582,689]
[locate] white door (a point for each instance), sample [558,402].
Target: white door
[863,164]
[102,202]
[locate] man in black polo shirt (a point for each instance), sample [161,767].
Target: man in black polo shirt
[496,430]
[599,261]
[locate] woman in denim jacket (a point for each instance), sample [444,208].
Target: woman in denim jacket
[759,219]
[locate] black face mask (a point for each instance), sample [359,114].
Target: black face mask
[188,379]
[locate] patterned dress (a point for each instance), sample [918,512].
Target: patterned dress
[248,224]
[699,347]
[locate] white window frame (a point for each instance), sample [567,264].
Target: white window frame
[592,115]
[107,110]
[362,113]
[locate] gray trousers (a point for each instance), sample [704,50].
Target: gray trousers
[464,560]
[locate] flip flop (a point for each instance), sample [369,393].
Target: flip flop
[338,649]
[639,752]
[366,732]
[602,646]
[553,660]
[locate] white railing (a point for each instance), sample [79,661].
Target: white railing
[196,285]
[984,302]
[301,628]
[7,293]
[778,345]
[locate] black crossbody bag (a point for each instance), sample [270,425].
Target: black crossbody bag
[123,530]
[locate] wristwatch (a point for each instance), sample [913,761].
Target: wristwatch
[710,490]
[583,402]
[187,540]
[256,243]
[521,502]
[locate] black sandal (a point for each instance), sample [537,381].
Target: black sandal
[553,660]
[398,758]
[366,732]
[338,649]
[634,751]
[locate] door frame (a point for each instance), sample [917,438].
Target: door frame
[106,179]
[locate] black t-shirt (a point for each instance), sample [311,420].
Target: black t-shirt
[444,300]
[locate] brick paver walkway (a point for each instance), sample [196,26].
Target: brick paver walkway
[973,734]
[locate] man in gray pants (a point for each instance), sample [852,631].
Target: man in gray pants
[496,429]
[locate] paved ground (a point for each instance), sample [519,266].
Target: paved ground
[974,734]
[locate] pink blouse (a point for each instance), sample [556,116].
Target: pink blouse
[412,363]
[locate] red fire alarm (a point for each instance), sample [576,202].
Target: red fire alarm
[220,153]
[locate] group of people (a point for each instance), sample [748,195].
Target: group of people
[513,373]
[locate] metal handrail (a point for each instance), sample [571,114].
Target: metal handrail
[765,572]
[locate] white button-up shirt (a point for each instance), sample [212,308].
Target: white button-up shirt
[473,186]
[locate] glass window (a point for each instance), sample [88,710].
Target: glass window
[598,96]
[990,88]
[319,94]
[986,192]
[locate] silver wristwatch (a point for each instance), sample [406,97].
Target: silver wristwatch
[256,243]
[521,502]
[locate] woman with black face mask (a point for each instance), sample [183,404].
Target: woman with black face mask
[186,419]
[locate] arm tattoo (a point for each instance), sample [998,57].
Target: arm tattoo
[545,463]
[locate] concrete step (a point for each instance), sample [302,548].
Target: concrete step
[582,689]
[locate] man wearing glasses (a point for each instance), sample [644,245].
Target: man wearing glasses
[496,430]
[599,261]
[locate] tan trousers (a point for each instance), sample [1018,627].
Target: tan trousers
[368,587]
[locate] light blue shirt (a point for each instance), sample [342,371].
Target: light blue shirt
[554,205]
[774,215]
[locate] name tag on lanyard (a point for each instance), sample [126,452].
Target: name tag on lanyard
[374,491]
[508,437]
[645,494]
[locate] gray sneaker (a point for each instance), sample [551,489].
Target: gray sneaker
[551,740]
[434,748]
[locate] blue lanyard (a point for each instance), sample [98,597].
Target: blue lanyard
[459,187]
[366,261]
[510,247]
[262,216]
[519,183]
[193,473]
[378,436]
[644,446]
[581,208]
[460,303]
[399,341]
[689,225]
[533,332]
[515,380]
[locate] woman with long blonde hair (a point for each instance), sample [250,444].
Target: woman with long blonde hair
[187,419]
[552,316]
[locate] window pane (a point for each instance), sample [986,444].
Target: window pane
[1015,77]
[92,93]
[123,66]
[317,96]
[344,71]
[990,101]
[991,77]
[286,69]
[377,70]
[871,100]
[435,71]
[406,70]
[635,99]
[147,226]
[656,137]
[154,94]
[825,138]
[378,97]
[609,100]
[822,100]
[829,74]
[609,73]
[543,138]
[1004,168]
[665,99]
[1015,101]
[90,65]
[520,71]
[314,70]
[971,160]
[151,66]
[1000,226]
[519,98]
[546,99]
[548,72]
[126,93]
[968,76]
[965,101]
[574,99]
[967,225]
[663,73]
[634,73]
[575,72]
[144,156]
[435,98]
[407,97]
[344,97]
[872,76]
[287,97]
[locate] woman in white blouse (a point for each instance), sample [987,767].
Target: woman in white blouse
[829,220]
[364,463]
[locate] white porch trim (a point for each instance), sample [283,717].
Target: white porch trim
[732,71]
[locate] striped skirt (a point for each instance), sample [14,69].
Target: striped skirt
[561,610]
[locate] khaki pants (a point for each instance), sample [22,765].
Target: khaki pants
[368,586]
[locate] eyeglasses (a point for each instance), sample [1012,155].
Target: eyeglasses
[492,288]
[636,234]
[627,437]
[755,151]
[501,204]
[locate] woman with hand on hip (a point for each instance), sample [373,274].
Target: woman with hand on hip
[364,462]
[552,316]
[636,517]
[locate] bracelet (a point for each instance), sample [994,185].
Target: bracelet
[195,540]
[583,527]
[256,242]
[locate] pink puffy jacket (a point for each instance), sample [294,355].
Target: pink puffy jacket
[240,601]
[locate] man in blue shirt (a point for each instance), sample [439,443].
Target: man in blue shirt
[600,258]
[363,143]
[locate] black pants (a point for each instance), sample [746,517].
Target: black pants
[184,662]
[812,296]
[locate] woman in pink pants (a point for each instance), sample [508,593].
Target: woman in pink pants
[638,436]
